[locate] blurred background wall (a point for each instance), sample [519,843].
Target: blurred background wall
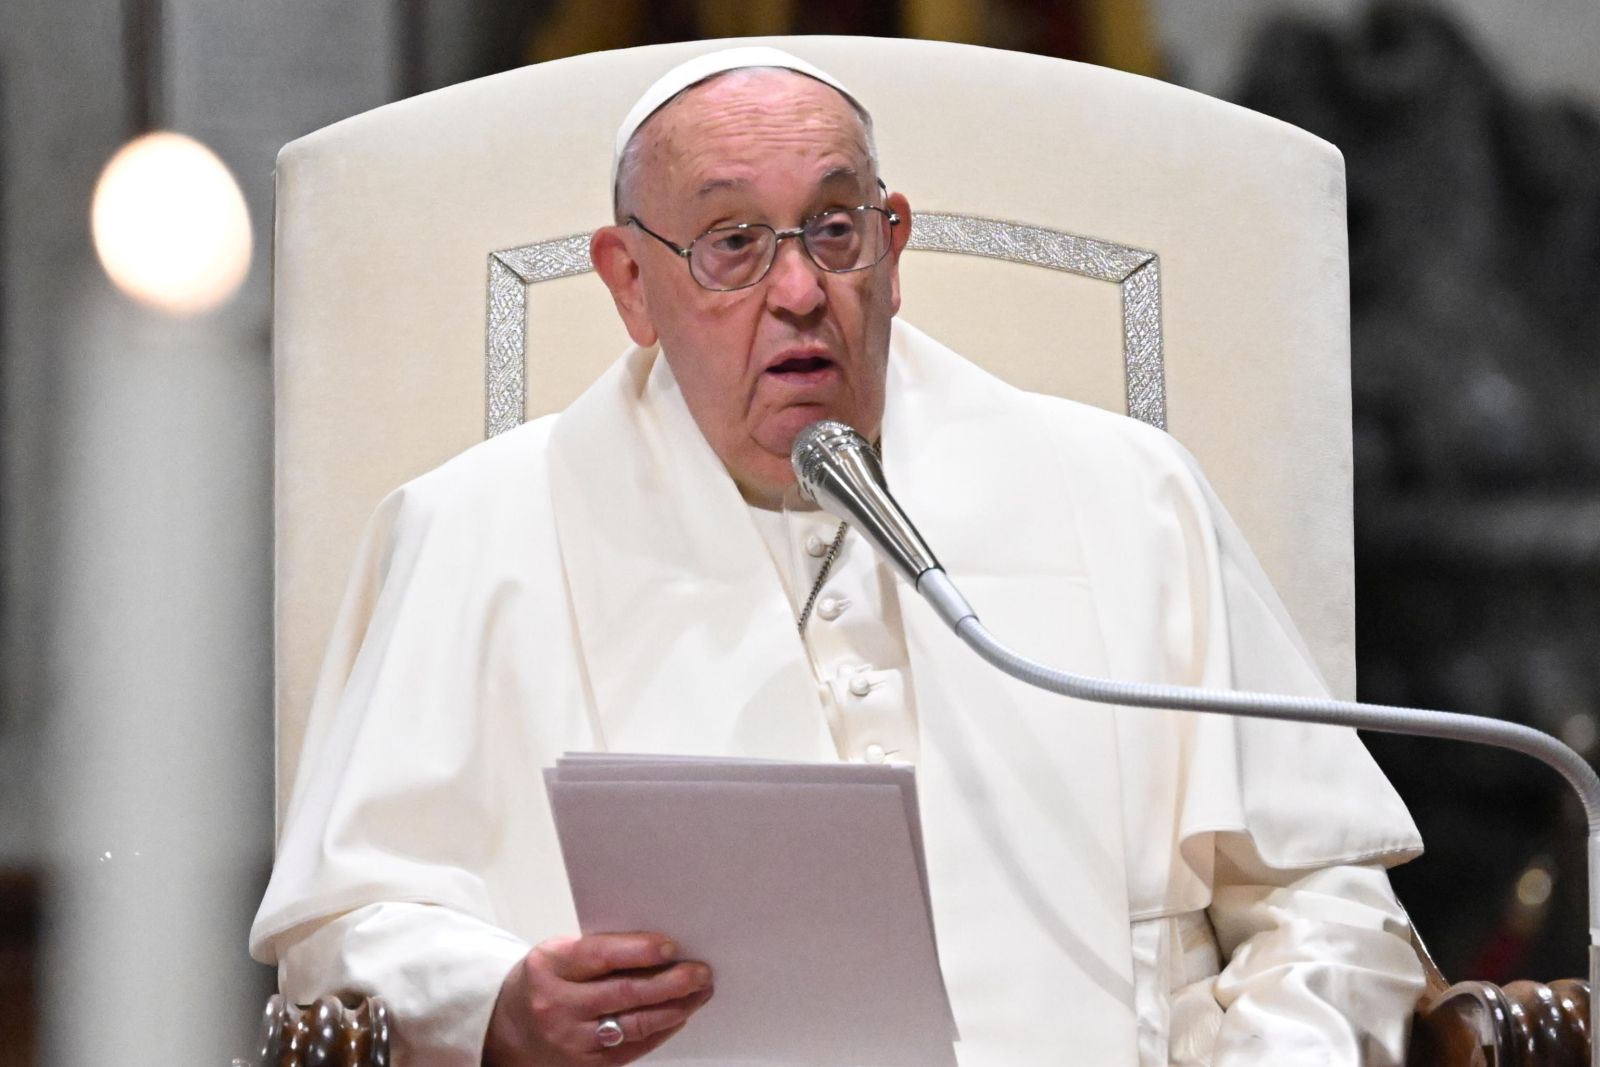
[135,459]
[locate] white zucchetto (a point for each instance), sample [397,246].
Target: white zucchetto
[696,70]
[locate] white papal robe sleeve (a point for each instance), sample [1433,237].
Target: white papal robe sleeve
[1318,962]
[1280,834]
[1320,969]
[413,859]
[438,970]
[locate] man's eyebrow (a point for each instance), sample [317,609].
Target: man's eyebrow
[716,185]
[840,173]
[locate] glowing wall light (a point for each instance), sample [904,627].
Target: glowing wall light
[170,225]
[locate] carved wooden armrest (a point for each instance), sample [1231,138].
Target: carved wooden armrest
[1524,1024]
[327,1033]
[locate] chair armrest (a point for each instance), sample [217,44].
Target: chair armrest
[1524,1024]
[329,1032]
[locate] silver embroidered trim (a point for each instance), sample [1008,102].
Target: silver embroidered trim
[511,271]
[1135,271]
[1020,243]
[505,369]
[1141,341]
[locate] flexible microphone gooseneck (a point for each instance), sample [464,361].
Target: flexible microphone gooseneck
[838,469]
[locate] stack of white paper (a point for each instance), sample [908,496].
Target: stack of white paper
[802,885]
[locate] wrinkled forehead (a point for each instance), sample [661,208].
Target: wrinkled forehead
[725,139]
[739,112]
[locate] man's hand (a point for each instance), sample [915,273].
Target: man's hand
[556,995]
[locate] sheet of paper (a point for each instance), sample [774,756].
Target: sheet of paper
[802,885]
[609,767]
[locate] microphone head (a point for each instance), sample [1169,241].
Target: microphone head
[825,441]
[841,473]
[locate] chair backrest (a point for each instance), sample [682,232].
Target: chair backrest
[1078,230]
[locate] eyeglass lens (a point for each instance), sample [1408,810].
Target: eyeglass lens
[733,257]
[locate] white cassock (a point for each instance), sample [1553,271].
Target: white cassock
[594,580]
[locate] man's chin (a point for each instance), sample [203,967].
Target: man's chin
[768,473]
[778,433]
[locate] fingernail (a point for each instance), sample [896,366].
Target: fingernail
[668,950]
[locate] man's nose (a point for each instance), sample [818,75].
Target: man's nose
[794,283]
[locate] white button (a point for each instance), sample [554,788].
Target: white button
[875,753]
[816,546]
[860,686]
[830,609]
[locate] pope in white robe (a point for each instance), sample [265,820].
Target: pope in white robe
[1121,888]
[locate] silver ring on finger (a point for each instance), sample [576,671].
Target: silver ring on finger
[609,1032]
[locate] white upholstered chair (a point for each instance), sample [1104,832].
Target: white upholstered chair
[1077,230]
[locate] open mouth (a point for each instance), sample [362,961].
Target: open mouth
[801,366]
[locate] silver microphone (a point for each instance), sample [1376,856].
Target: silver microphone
[841,472]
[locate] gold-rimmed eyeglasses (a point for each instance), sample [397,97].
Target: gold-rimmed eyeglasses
[838,240]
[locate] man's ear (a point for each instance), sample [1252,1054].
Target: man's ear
[612,255]
[898,236]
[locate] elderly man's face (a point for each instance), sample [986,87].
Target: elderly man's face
[759,364]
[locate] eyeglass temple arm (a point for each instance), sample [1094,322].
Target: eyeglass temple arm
[634,220]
